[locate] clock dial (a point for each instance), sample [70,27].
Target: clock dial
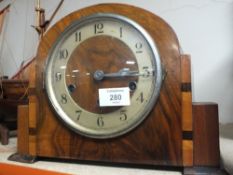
[93,59]
[108,52]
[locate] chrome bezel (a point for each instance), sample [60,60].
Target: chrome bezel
[48,75]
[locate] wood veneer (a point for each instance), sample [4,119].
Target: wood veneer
[206,134]
[167,137]
[158,140]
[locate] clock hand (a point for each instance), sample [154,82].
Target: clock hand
[121,73]
[125,72]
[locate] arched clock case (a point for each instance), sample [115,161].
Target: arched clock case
[114,48]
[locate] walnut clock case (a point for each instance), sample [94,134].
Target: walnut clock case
[110,48]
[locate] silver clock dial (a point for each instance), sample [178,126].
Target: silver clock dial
[108,52]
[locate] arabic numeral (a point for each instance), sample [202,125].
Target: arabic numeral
[58,76]
[147,72]
[100,122]
[138,47]
[78,36]
[114,97]
[121,32]
[99,28]
[63,99]
[123,116]
[141,98]
[63,54]
[78,113]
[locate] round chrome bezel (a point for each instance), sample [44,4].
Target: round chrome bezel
[48,75]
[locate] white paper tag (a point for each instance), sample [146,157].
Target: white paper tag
[114,97]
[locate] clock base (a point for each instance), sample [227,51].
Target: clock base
[22,158]
[203,171]
[205,146]
[205,139]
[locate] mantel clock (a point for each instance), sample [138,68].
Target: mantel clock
[110,85]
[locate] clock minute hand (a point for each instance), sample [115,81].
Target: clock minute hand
[125,72]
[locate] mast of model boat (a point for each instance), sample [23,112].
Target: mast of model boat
[41,23]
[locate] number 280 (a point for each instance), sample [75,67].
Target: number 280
[114,97]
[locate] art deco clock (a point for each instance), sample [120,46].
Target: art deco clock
[110,85]
[103,75]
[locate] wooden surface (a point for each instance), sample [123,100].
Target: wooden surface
[187,123]
[14,93]
[4,135]
[158,140]
[187,118]
[22,142]
[94,54]
[206,134]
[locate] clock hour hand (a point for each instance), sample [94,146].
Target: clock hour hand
[125,72]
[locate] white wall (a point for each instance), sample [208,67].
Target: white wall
[204,29]
[20,41]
